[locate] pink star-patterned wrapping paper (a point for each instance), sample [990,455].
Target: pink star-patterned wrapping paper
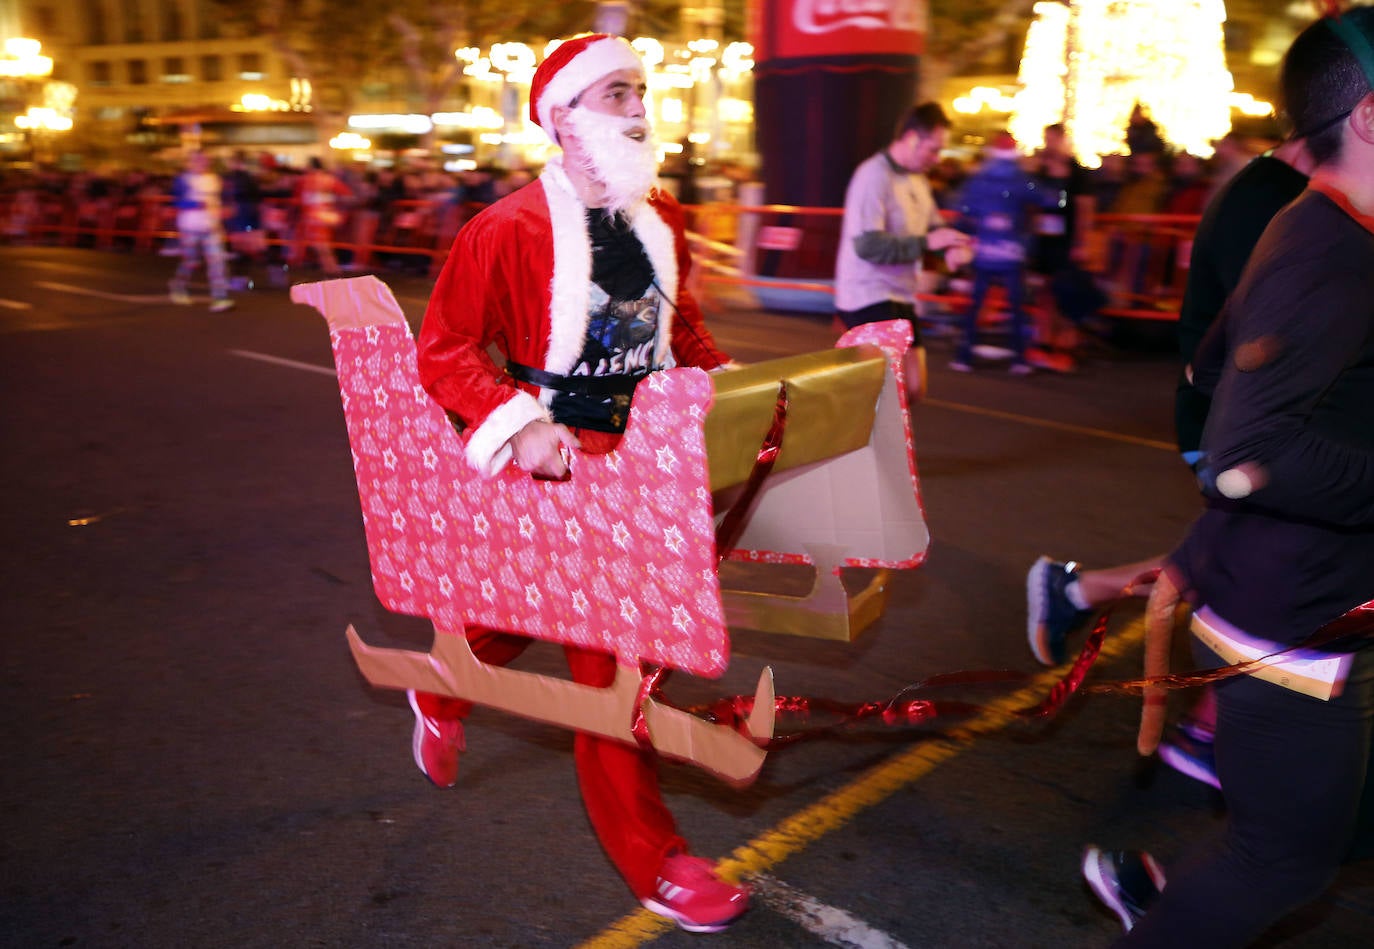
[619,558]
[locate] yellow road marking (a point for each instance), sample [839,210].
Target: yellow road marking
[1049,423]
[836,809]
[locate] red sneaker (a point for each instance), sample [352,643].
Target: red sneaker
[1051,359]
[436,744]
[689,892]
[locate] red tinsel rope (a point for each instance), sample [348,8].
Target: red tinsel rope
[1355,628]
[727,535]
[903,711]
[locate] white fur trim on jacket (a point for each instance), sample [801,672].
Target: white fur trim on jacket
[488,449]
[657,237]
[599,59]
[569,291]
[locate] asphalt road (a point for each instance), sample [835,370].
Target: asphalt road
[191,758]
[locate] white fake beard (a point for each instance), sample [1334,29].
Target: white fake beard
[625,168]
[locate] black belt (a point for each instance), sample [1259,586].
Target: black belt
[578,385]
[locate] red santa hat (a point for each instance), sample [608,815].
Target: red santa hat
[1002,146]
[573,66]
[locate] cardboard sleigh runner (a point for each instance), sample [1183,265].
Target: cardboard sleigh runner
[621,557]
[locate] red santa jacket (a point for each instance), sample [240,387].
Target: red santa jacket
[519,276]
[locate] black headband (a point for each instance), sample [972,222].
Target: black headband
[1362,50]
[1356,42]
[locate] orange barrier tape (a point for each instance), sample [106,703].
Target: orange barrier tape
[1141,260]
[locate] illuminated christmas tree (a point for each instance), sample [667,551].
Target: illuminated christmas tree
[1087,63]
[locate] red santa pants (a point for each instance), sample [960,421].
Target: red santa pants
[619,783]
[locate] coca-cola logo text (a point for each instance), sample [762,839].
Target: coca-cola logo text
[827,16]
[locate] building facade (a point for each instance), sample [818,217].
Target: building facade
[138,65]
[151,75]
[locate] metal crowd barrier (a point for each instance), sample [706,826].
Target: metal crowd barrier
[1141,261]
[784,255]
[421,230]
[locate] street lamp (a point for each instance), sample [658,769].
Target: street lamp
[22,62]
[515,63]
[22,59]
[44,119]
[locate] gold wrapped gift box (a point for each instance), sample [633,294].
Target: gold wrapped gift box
[832,398]
[817,502]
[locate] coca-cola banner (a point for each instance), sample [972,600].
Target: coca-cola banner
[805,29]
[831,79]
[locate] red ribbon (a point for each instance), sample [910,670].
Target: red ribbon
[727,535]
[902,711]
[1355,628]
[896,712]
[1063,690]
[732,525]
[650,681]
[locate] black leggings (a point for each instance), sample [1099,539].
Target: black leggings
[881,312]
[1293,771]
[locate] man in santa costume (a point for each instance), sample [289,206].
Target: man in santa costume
[579,279]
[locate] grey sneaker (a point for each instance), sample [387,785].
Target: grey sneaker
[1188,754]
[220,305]
[1126,881]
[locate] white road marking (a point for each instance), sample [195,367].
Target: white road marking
[279,361]
[834,925]
[65,266]
[16,305]
[102,294]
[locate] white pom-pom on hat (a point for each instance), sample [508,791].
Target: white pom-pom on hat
[1003,145]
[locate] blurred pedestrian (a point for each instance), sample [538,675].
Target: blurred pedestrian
[1189,186]
[1108,179]
[1232,154]
[890,222]
[946,179]
[197,195]
[1142,134]
[243,198]
[997,203]
[1145,187]
[321,195]
[1061,596]
[1058,251]
[1286,544]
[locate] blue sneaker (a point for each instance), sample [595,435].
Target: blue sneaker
[1050,615]
[1126,881]
[1188,754]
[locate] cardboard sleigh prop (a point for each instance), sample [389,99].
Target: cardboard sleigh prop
[621,556]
